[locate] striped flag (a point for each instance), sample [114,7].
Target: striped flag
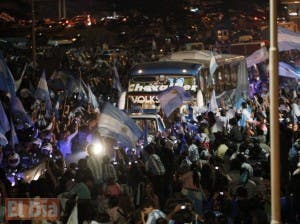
[92,98]
[116,82]
[34,173]
[257,57]
[19,81]
[4,124]
[42,93]
[287,70]
[3,141]
[7,82]
[13,135]
[287,39]
[212,65]
[19,112]
[213,105]
[116,124]
[172,98]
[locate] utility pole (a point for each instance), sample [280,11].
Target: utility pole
[59,9]
[64,10]
[274,117]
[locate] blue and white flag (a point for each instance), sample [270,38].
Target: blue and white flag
[116,124]
[92,98]
[7,82]
[213,105]
[19,112]
[13,135]
[42,93]
[257,57]
[34,173]
[172,98]
[116,82]
[287,39]
[19,81]
[73,218]
[287,70]
[4,124]
[3,141]
[212,65]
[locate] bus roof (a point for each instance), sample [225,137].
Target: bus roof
[203,57]
[166,67]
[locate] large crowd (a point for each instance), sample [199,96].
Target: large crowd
[207,167]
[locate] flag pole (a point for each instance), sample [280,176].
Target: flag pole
[274,118]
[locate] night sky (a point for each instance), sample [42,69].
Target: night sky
[48,8]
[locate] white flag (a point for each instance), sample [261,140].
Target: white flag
[73,218]
[213,105]
[257,57]
[287,39]
[212,65]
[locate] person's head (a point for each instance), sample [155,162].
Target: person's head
[82,164]
[88,180]
[149,188]
[147,205]
[244,105]
[150,149]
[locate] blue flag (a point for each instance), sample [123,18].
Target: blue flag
[4,124]
[116,81]
[13,135]
[42,93]
[92,98]
[172,98]
[212,65]
[116,124]
[19,112]
[7,82]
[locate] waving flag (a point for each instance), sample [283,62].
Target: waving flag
[212,65]
[287,39]
[287,70]
[19,112]
[172,98]
[73,218]
[34,173]
[115,124]
[13,135]
[7,82]
[19,81]
[116,82]
[3,140]
[213,105]
[257,57]
[92,98]
[42,93]
[4,124]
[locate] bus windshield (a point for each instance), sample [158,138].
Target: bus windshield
[161,82]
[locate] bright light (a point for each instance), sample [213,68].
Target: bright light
[194,9]
[184,71]
[293,13]
[140,71]
[97,149]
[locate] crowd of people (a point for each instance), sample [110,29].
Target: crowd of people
[207,167]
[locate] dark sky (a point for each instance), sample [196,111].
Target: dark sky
[49,8]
